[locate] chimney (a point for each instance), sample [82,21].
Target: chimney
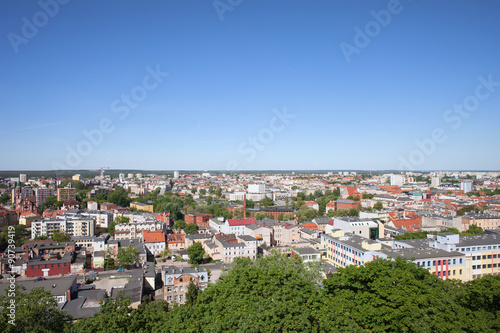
[244,206]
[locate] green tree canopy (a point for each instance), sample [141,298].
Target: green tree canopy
[60,236]
[195,253]
[191,228]
[127,256]
[36,311]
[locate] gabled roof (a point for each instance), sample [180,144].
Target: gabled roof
[153,236]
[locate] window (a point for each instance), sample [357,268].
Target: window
[169,298]
[489,256]
[180,298]
[484,257]
[484,266]
[455,261]
[181,288]
[169,288]
[460,260]
[460,272]
[453,272]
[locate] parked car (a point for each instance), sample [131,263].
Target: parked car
[39,278]
[121,270]
[174,258]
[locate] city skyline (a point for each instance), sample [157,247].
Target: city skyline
[382,85]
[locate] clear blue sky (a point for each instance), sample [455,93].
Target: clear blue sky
[227,78]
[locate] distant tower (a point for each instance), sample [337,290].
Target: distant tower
[309,178]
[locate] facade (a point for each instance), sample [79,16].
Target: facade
[41,194]
[142,206]
[134,230]
[72,226]
[217,225]
[176,242]
[65,194]
[484,221]
[154,241]
[353,225]
[201,220]
[237,226]
[176,281]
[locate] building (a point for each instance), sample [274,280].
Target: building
[22,178]
[154,241]
[341,204]
[65,194]
[77,177]
[7,217]
[435,182]
[353,225]
[201,220]
[312,204]
[217,225]
[274,212]
[176,242]
[237,226]
[92,205]
[41,194]
[466,186]
[484,221]
[176,281]
[74,226]
[397,180]
[62,289]
[142,206]
[26,219]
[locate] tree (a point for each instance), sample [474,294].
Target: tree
[288,217]
[191,228]
[473,230]
[19,234]
[119,197]
[60,236]
[266,202]
[397,296]
[202,191]
[179,224]
[250,203]
[128,256]
[122,219]
[195,253]
[74,184]
[192,293]
[306,214]
[36,311]
[260,215]
[165,254]
[378,205]
[5,198]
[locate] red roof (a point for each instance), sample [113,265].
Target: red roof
[236,222]
[310,226]
[153,236]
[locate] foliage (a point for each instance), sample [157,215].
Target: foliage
[36,311]
[463,210]
[60,236]
[127,255]
[191,228]
[398,296]
[306,214]
[473,230]
[250,203]
[5,198]
[119,197]
[192,293]
[179,224]
[412,235]
[266,202]
[261,215]
[195,253]
[74,184]
[20,235]
[378,205]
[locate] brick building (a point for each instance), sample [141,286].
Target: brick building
[201,220]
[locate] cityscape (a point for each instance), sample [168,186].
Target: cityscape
[249,166]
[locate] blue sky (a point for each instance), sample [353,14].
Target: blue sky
[375,108]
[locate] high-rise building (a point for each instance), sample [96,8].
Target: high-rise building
[397,180]
[42,194]
[435,182]
[65,194]
[466,186]
[22,178]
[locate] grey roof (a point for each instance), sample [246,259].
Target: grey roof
[246,238]
[428,253]
[182,270]
[484,239]
[355,241]
[322,220]
[81,307]
[55,286]
[305,250]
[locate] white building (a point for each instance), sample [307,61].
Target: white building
[466,186]
[397,180]
[74,226]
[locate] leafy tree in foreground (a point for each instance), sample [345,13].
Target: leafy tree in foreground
[60,236]
[36,311]
[398,296]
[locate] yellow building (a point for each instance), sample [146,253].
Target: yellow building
[26,219]
[141,206]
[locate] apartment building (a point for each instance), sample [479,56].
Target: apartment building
[75,226]
[65,194]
